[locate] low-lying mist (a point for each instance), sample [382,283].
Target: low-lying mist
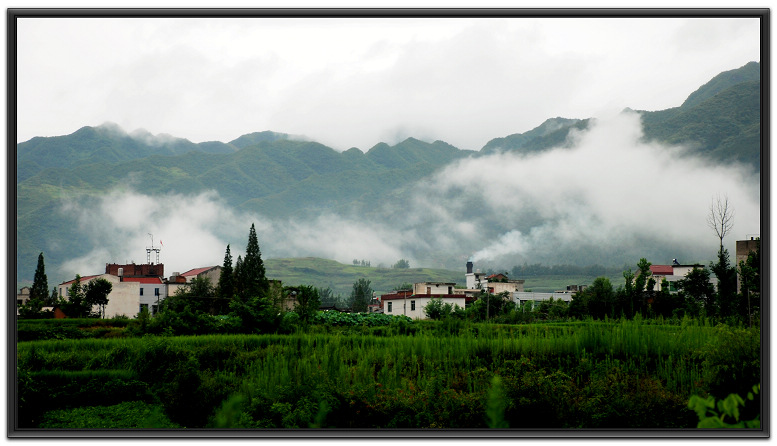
[606,197]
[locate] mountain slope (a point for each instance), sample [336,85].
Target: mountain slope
[276,175]
[106,143]
[719,121]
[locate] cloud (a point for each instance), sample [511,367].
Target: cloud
[357,82]
[609,197]
[193,231]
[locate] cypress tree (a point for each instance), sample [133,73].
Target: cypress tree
[237,277]
[226,287]
[40,284]
[254,282]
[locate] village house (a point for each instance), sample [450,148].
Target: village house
[134,287]
[408,303]
[22,297]
[411,302]
[124,298]
[531,298]
[672,274]
[494,284]
[743,250]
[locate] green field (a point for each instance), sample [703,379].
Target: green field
[394,373]
[340,277]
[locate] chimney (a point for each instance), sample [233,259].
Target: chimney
[469,267]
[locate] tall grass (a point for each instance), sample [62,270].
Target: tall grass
[270,368]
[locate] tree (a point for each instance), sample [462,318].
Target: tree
[198,295]
[696,287]
[727,284]
[237,277]
[32,309]
[75,305]
[252,272]
[40,284]
[361,295]
[96,294]
[436,309]
[750,277]
[720,218]
[599,298]
[644,285]
[402,264]
[625,295]
[226,287]
[308,301]
[327,297]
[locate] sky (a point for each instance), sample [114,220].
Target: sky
[358,82]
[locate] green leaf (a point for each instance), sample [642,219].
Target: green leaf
[710,423]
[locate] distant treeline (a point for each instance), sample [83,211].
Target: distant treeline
[539,269]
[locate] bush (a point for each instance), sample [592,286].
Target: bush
[126,415]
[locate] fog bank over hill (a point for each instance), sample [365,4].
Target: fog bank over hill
[607,198]
[604,198]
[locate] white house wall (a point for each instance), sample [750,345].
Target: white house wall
[433,288]
[526,296]
[149,297]
[124,300]
[413,306]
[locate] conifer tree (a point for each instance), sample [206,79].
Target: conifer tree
[226,287]
[727,284]
[237,276]
[40,284]
[252,275]
[54,298]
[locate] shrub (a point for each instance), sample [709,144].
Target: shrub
[725,413]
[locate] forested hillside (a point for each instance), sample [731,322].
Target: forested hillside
[283,176]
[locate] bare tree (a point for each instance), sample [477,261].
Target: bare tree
[720,218]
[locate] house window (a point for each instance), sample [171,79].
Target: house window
[450,290]
[153,309]
[143,307]
[19,302]
[428,290]
[389,307]
[141,291]
[156,291]
[412,305]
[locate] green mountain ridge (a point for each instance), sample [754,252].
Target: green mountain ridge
[719,121]
[288,177]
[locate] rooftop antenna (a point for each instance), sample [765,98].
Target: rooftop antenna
[152,248]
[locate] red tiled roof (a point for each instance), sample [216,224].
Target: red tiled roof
[143,279]
[83,279]
[197,271]
[661,270]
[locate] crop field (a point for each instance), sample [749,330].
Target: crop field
[402,374]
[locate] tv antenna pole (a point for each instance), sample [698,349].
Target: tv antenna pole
[152,248]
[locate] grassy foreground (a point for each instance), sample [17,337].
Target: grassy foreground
[430,374]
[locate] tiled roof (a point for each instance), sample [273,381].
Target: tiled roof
[83,279]
[197,271]
[662,270]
